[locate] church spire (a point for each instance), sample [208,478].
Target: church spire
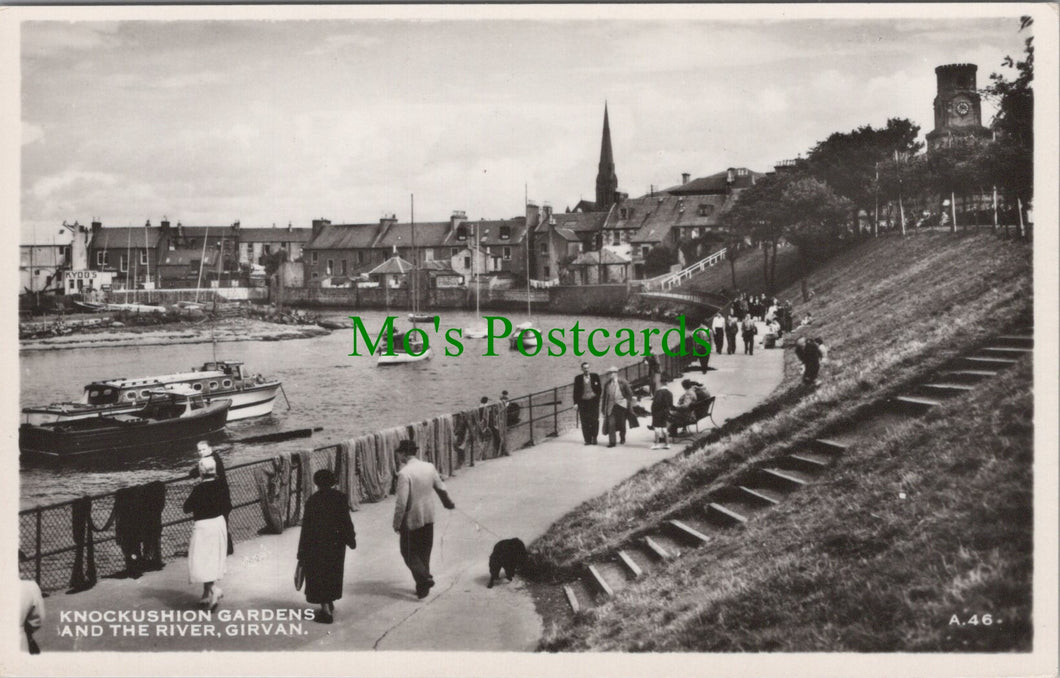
[606,179]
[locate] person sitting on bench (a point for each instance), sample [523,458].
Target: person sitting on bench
[685,411]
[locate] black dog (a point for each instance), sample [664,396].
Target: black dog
[509,554]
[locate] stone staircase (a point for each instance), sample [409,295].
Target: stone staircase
[767,484]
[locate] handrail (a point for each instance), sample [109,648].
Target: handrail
[668,280]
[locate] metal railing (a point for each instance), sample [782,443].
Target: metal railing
[49,551]
[669,280]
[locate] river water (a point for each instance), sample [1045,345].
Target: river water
[345,395]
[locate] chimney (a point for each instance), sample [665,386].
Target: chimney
[318,226]
[458,217]
[546,207]
[289,227]
[147,224]
[685,176]
[730,175]
[533,215]
[96,225]
[235,226]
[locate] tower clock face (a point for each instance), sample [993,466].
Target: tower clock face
[963,108]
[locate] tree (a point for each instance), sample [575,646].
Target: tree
[1010,157]
[848,161]
[816,222]
[759,215]
[659,259]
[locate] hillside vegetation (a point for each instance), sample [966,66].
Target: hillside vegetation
[717,279]
[928,518]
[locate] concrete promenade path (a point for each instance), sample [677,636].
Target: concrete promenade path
[516,496]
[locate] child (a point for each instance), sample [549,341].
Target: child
[661,403]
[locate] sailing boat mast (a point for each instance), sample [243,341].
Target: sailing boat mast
[202,263]
[415,264]
[526,238]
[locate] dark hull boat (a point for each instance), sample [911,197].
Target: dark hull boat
[170,421]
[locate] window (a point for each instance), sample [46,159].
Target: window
[143,257]
[617,239]
[544,248]
[467,262]
[742,172]
[461,233]
[454,251]
[330,266]
[315,275]
[428,255]
[644,249]
[315,257]
[548,272]
[213,385]
[695,233]
[123,263]
[506,232]
[101,258]
[360,257]
[507,253]
[706,209]
[197,386]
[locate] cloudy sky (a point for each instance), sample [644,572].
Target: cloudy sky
[268,122]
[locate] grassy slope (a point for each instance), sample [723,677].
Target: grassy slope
[868,572]
[749,275]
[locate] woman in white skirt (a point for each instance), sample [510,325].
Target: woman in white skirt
[208,503]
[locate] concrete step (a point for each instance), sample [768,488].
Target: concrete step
[809,462]
[979,361]
[1017,340]
[784,479]
[1007,351]
[914,404]
[726,514]
[643,557]
[596,580]
[633,568]
[579,596]
[662,547]
[765,497]
[946,389]
[686,532]
[614,573]
[967,376]
[829,446]
[572,599]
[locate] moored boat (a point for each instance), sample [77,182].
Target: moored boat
[251,396]
[416,351]
[522,336]
[423,318]
[172,419]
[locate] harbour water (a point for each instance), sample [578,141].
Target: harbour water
[345,395]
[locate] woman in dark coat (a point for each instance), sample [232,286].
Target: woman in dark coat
[326,532]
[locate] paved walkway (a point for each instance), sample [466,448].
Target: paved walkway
[516,496]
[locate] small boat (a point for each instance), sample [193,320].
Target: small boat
[477,332]
[173,418]
[421,318]
[416,351]
[251,396]
[89,306]
[522,336]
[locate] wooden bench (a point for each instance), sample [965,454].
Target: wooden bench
[703,409]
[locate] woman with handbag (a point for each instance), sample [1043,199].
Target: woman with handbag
[326,532]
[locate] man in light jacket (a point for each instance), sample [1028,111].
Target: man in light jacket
[414,512]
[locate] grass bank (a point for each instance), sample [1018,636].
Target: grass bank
[845,565]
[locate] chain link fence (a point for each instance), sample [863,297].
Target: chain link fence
[70,544]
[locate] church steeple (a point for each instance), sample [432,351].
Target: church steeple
[606,179]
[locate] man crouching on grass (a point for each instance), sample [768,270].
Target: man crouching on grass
[414,512]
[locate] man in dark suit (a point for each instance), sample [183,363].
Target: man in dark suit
[587,397]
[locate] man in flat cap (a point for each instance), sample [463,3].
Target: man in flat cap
[414,512]
[615,402]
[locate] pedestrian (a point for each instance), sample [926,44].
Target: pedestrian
[661,403]
[749,330]
[700,351]
[683,414]
[732,328]
[414,512]
[208,503]
[511,410]
[654,371]
[206,451]
[326,532]
[31,614]
[587,396]
[718,333]
[809,353]
[615,402]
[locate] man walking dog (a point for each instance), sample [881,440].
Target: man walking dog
[414,512]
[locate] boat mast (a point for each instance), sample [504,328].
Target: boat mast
[147,258]
[202,263]
[526,239]
[415,263]
[128,261]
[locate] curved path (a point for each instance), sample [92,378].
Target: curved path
[516,496]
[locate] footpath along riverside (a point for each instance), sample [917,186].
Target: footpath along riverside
[519,495]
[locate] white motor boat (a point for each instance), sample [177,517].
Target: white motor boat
[251,395]
[521,335]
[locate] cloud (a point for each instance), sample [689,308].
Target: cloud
[31,133]
[60,38]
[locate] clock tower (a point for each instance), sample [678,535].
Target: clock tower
[958,112]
